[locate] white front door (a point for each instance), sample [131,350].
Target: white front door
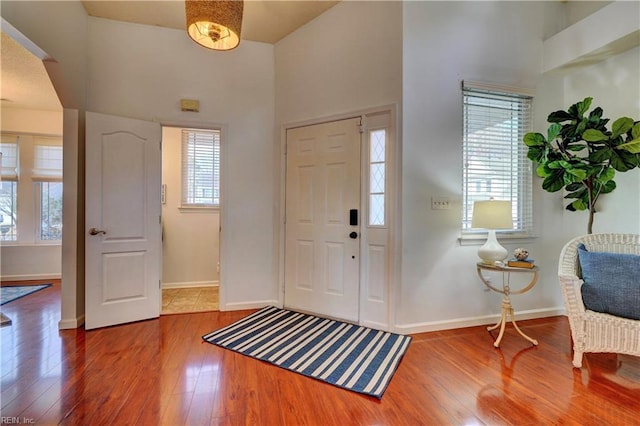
[322,238]
[122,222]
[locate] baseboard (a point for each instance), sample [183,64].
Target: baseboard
[375,325]
[426,327]
[68,324]
[191,284]
[31,277]
[240,306]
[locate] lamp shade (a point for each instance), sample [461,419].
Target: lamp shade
[215,24]
[492,214]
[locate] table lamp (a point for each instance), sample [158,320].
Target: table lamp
[492,215]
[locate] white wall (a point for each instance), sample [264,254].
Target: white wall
[28,259]
[347,59]
[444,43]
[190,238]
[19,120]
[143,71]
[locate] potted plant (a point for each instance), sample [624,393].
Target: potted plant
[580,155]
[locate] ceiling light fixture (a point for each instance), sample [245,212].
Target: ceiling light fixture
[214,24]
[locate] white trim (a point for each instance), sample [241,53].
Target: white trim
[31,277]
[375,325]
[190,284]
[199,209]
[426,327]
[238,306]
[68,324]
[40,243]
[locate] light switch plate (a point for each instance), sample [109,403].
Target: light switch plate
[440,203]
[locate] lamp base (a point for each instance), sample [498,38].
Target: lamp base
[492,252]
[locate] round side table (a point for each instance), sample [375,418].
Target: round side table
[507,308]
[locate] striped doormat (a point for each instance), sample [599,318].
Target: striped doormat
[345,355]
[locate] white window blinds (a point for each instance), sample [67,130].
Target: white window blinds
[9,154]
[47,161]
[200,168]
[495,164]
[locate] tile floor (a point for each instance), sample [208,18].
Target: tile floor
[192,299]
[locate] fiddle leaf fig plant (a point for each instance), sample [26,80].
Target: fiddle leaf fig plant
[580,155]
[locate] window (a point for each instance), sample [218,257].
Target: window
[31,189]
[377,146]
[495,163]
[9,188]
[200,168]
[47,179]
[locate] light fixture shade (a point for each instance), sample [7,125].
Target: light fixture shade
[492,214]
[215,24]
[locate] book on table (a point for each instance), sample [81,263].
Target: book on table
[515,263]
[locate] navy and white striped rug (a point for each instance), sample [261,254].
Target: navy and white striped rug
[345,355]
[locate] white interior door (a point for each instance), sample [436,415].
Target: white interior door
[321,243]
[123,232]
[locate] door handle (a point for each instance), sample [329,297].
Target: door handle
[94,231]
[353,235]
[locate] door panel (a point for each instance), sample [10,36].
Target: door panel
[123,247]
[322,185]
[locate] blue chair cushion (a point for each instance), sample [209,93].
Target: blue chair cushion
[611,282]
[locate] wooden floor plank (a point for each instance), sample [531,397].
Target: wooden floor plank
[159,372]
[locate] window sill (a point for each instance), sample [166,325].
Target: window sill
[57,243]
[480,238]
[199,209]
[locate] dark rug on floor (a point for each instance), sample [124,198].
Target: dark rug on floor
[11,293]
[346,355]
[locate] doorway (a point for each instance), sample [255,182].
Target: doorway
[339,244]
[190,219]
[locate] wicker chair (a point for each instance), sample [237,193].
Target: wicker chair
[594,331]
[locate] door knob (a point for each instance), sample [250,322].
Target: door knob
[94,231]
[353,235]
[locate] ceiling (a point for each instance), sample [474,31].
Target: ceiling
[264,21]
[25,83]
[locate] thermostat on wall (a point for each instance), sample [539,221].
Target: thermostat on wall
[190,105]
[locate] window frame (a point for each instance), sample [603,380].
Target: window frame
[42,176]
[520,194]
[11,174]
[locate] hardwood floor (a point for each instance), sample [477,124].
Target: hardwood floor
[159,372]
